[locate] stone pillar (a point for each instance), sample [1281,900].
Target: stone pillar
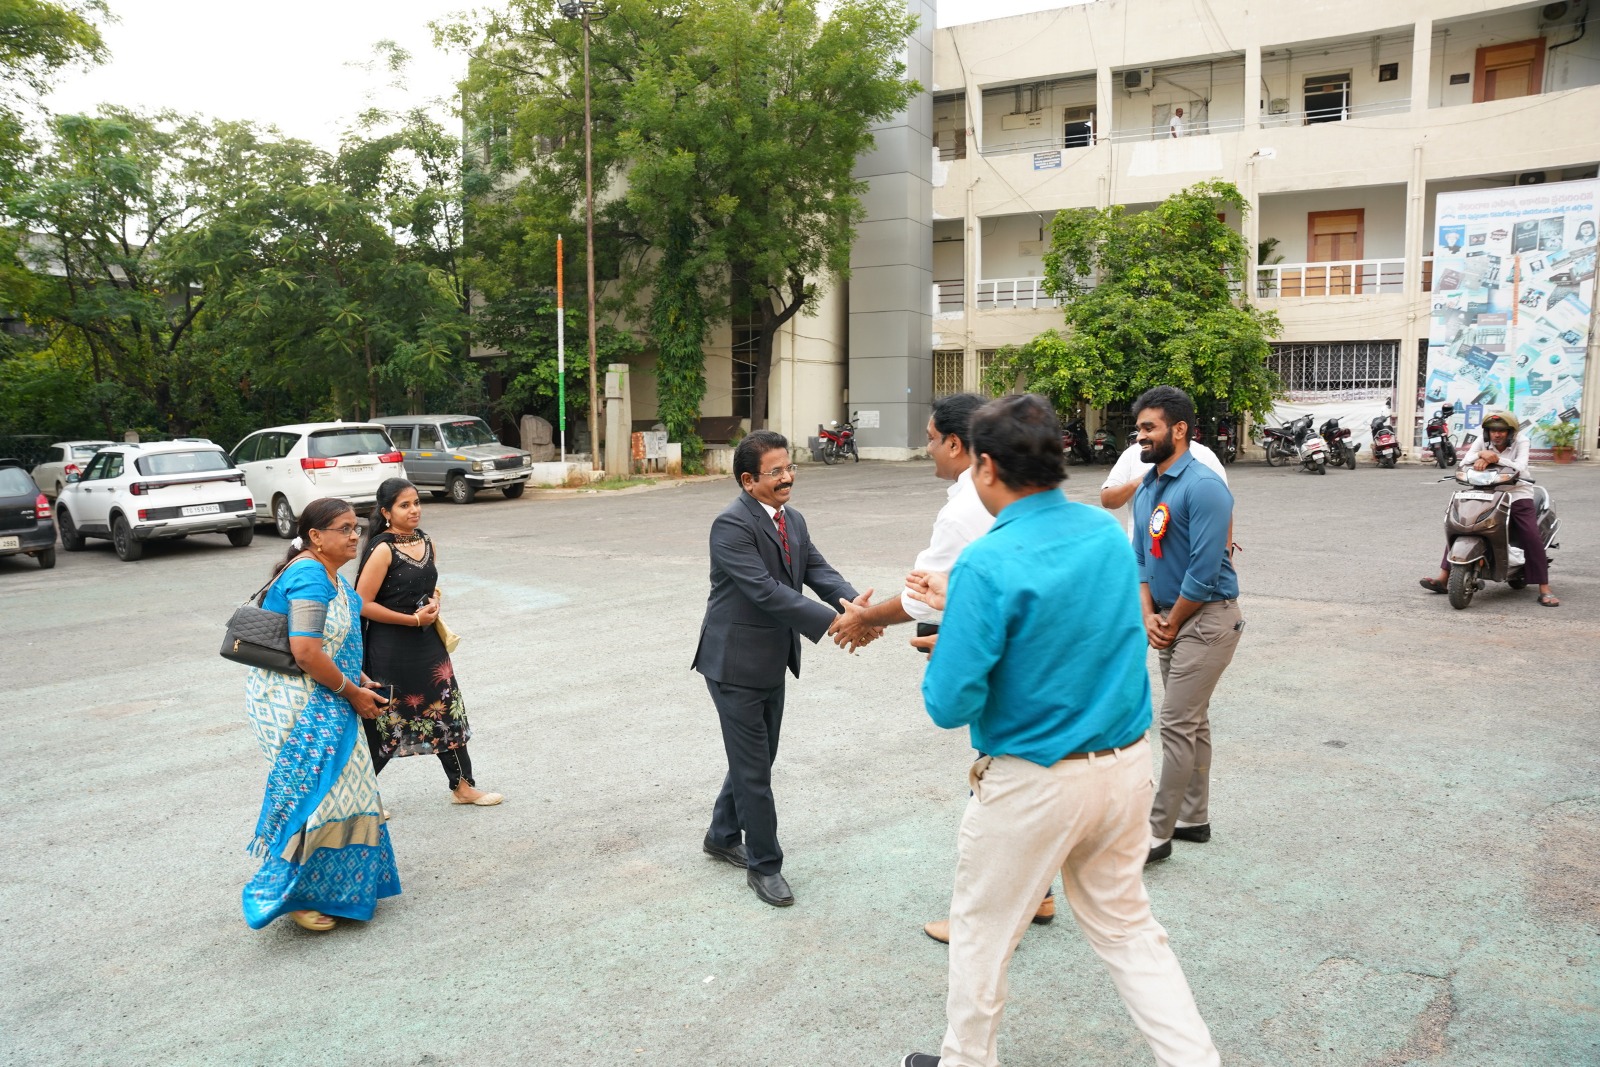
[1419,317]
[891,268]
[1252,88]
[619,422]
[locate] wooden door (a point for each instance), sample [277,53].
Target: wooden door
[1334,238]
[1506,71]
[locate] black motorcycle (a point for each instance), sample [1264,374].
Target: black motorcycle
[1440,444]
[1227,448]
[1295,440]
[1075,442]
[1340,452]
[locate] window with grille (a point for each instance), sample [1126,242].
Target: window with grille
[746,343]
[985,358]
[1336,367]
[947,373]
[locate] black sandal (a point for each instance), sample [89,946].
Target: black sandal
[1548,600]
[1433,585]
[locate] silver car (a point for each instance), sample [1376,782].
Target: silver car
[457,455]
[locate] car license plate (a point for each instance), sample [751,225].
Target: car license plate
[202,509]
[10,542]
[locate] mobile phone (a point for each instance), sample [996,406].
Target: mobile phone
[385,694]
[424,600]
[925,629]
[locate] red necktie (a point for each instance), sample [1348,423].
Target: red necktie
[783,536]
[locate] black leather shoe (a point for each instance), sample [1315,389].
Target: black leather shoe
[1159,853]
[771,888]
[920,1059]
[733,853]
[1198,834]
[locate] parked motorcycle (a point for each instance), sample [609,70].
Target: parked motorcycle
[1227,447]
[1295,440]
[839,440]
[1442,448]
[1075,442]
[1478,523]
[1340,452]
[1385,445]
[1105,448]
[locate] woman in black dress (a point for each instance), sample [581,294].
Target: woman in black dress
[397,581]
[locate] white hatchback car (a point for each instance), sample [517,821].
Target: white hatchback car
[62,459]
[287,467]
[134,493]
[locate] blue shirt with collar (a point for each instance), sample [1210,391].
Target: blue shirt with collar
[1042,649]
[1194,561]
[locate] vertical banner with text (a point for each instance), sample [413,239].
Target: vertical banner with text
[1513,281]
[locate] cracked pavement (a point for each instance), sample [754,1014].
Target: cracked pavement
[1406,802]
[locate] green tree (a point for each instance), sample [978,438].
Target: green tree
[734,127]
[1149,299]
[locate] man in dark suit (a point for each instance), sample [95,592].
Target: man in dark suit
[761,559]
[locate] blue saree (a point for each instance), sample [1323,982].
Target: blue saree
[320,834]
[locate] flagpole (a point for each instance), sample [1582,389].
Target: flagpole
[561,353]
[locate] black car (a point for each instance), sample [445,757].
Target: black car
[25,521]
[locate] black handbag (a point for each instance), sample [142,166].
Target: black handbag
[259,638]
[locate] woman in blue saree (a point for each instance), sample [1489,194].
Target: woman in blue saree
[321,836]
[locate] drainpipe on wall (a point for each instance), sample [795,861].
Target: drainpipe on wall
[1405,371]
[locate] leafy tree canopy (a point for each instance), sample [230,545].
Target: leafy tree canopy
[1149,299]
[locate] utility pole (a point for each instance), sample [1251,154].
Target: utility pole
[585,10]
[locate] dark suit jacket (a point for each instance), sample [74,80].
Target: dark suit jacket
[756,611]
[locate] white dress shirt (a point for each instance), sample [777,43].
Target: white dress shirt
[961,521]
[1129,469]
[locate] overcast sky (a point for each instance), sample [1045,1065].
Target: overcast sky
[290,63]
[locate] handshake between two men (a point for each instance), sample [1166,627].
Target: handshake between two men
[862,622]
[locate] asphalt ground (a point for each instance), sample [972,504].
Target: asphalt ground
[1405,799]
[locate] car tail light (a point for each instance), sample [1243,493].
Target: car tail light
[137,488]
[309,464]
[41,507]
[72,468]
[144,516]
[249,505]
[392,457]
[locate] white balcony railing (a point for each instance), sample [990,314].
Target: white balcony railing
[949,297]
[1163,133]
[1002,293]
[1357,277]
[1334,114]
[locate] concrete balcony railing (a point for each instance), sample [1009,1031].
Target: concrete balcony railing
[949,297]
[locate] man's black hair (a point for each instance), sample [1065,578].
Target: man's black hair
[1173,403]
[953,415]
[748,452]
[1021,436]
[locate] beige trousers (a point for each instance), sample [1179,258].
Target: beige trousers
[1190,669]
[1086,819]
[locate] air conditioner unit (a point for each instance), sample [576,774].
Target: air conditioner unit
[1139,79]
[1278,105]
[1022,122]
[1531,177]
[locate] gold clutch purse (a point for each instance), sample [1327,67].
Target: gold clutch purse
[450,638]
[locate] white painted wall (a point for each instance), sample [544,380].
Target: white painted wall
[1284,216]
[1220,82]
[1014,245]
[1284,73]
[1456,44]
[1054,99]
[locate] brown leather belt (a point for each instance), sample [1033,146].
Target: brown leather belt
[1102,752]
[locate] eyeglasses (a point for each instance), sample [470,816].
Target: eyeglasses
[351,529]
[779,472]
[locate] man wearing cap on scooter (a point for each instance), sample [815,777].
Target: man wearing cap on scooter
[1504,446]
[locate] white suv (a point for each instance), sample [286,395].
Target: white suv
[287,467]
[134,493]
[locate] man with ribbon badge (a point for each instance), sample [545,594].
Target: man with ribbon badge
[1191,607]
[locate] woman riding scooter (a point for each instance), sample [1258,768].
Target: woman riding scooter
[1502,445]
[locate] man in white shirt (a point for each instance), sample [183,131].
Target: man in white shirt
[962,520]
[1175,127]
[1117,491]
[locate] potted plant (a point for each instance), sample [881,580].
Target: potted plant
[1561,436]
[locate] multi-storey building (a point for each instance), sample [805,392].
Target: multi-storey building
[1340,124]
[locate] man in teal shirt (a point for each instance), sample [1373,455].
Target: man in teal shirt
[1181,517]
[1041,656]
